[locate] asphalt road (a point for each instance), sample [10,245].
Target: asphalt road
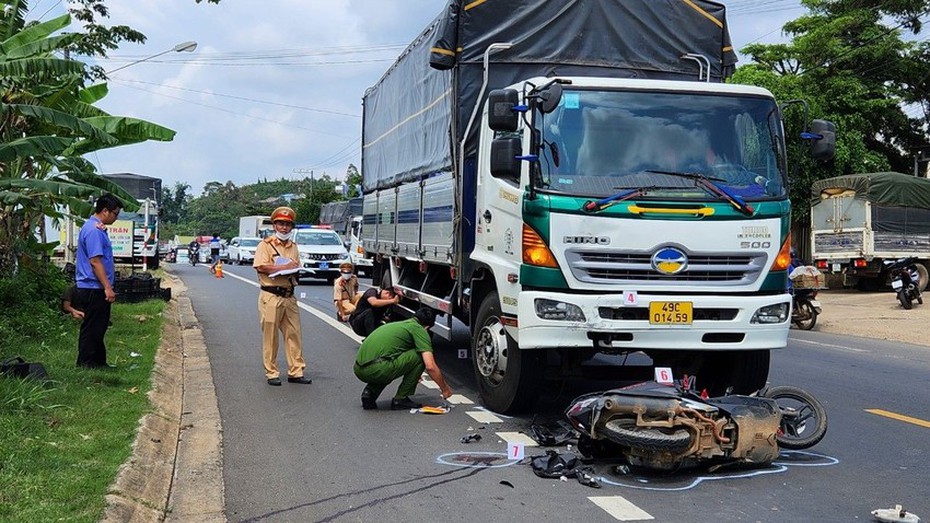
[310,453]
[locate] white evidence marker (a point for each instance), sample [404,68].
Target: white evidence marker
[664,376]
[303,295]
[463,354]
[630,298]
[517,437]
[515,450]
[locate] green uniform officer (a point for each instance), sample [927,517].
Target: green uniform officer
[395,350]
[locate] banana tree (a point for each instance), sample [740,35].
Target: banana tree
[47,123]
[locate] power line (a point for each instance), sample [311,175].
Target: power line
[243,98]
[237,113]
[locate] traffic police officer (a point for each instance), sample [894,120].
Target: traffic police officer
[277,306]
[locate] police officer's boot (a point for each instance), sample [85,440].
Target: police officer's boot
[369,398]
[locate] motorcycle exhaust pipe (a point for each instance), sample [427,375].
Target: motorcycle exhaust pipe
[651,407]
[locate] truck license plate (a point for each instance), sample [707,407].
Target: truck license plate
[837,267]
[670,313]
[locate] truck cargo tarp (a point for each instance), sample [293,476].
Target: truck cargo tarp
[889,189]
[409,113]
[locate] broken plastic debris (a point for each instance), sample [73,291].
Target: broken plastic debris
[471,437]
[426,409]
[894,515]
[134,355]
[563,478]
[622,470]
[507,483]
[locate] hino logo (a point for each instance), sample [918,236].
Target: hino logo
[593,240]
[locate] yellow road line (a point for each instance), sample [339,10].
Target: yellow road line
[899,417]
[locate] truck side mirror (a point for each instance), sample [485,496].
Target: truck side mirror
[824,147]
[550,98]
[501,113]
[504,158]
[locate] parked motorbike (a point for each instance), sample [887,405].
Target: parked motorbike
[668,427]
[804,308]
[905,281]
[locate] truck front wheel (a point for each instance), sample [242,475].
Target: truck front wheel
[508,377]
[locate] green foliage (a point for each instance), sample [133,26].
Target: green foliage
[47,122]
[31,303]
[853,67]
[63,442]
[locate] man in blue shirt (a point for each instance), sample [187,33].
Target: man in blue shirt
[215,245]
[94,275]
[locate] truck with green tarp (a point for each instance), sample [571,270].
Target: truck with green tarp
[859,221]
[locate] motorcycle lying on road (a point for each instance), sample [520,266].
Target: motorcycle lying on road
[905,280]
[668,427]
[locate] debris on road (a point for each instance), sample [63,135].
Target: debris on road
[894,515]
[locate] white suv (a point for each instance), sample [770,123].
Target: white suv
[242,250]
[321,252]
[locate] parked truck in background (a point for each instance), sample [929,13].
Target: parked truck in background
[573,178]
[255,226]
[345,217]
[859,221]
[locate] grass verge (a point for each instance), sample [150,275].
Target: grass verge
[62,443]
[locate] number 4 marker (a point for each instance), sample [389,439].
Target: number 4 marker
[630,298]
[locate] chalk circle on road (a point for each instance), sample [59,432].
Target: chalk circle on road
[477,459]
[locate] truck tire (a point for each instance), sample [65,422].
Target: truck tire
[508,378]
[716,371]
[924,276]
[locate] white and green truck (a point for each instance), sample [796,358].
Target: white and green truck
[574,178]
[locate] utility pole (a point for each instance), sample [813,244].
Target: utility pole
[310,172]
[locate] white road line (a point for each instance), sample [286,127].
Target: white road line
[517,437]
[829,345]
[458,399]
[483,417]
[327,318]
[345,329]
[620,508]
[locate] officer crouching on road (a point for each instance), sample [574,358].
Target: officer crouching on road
[401,348]
[277,306]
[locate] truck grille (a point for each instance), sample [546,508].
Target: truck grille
[324,257]
[623,267]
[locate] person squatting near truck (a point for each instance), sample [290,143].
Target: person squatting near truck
[370,309]
[345,292]
[401,349]
[277,305]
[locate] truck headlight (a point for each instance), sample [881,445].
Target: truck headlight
[777,313]
[558,310]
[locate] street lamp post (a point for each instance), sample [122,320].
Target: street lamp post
[185,47]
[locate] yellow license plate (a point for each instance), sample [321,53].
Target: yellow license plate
[670,313]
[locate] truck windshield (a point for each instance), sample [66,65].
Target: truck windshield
[605,141]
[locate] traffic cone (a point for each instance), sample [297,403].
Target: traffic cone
[219,269]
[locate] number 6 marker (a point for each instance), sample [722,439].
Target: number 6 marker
[664,376]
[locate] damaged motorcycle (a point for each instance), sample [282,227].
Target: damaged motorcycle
[669,427]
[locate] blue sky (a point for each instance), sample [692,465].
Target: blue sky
[276,86]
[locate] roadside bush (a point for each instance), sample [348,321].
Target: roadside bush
[31,301]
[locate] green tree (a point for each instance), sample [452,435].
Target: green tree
[47,123]
[848,60]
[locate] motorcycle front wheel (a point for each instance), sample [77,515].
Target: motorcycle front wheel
[904,299]
[807,316]
[803,418]
[624,431]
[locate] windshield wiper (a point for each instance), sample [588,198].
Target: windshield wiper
[600,205]
[705,183]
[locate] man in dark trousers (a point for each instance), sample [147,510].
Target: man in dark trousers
[94,276]
[369,312]
[394,350]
